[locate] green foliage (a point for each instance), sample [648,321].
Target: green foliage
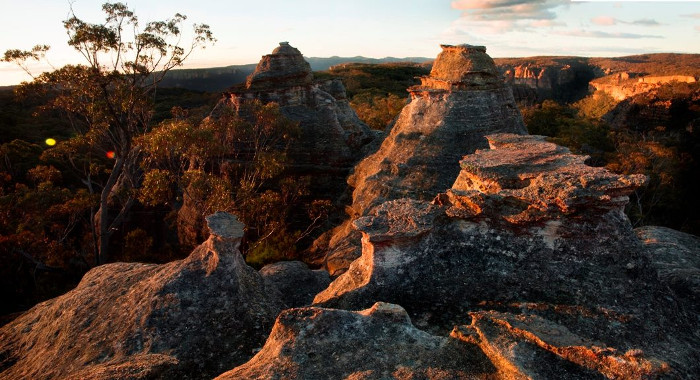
[387,78]
[595,106]
[566,127]
[665,150]
[232,162]
[377,111]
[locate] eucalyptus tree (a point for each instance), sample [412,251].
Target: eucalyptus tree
[109,101]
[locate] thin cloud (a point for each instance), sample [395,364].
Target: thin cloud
[697,28]
[693,15]
[604,20]
[487,10]
[610,21]
[599,34]
[645,22]
[501,16]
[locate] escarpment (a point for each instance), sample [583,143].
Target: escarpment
[462,100]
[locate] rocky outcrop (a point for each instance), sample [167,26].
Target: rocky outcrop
[518,219]
[530,347]
[537,78]
[285,66]
[676,257]
[332,136]
[191,318]
[621,86]
[462,100]
[295,281]
[331,141]
[526,227]
[376,343]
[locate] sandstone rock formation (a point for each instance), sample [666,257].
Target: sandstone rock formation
[518,215]
[462,100]
[332,138]
[296,283]
[526,227]
[622,86]
[193,318]
[377,343]
[538,78]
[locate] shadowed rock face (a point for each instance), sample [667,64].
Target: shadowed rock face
[377,343]
[193,318]
[332,138]
[676,257]
[460,102]
[296,282]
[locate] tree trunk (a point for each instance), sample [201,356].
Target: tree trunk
[104,225]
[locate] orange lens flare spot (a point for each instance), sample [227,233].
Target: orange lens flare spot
[50,142]
[110,154]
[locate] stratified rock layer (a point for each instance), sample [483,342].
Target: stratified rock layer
[460,102]
[377,343]
[529,227]
[193,318]
[285,66]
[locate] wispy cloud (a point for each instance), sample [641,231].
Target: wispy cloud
[692,15]
[484,10]
[499,16]
[697,28]
[646,22]
[604,20]
[609,21]
[599,34]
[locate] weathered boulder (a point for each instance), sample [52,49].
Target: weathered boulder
[296,282]
[676,257]
[377,343]
[191,318]
[462,100]
[529,347]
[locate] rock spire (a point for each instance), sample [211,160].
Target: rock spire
[462,100]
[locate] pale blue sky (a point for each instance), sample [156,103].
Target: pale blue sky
[246,30]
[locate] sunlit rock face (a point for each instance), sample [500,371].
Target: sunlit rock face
[462,100]
[529,228]
[192,318]
[284,67]
[377,343]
